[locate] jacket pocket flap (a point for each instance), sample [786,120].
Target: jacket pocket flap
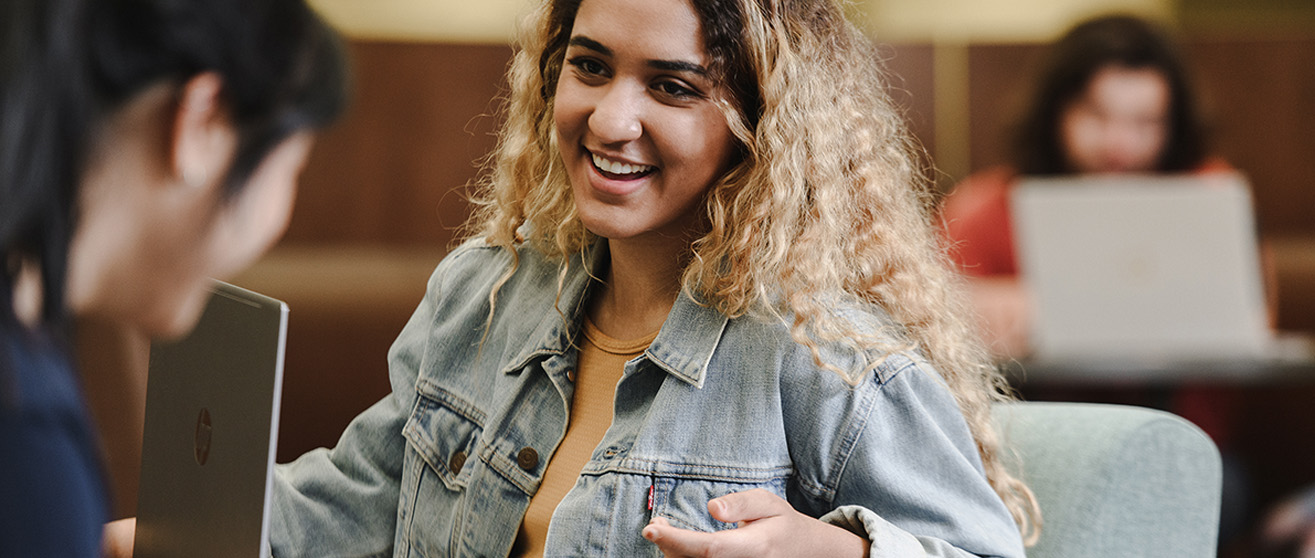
[444,430]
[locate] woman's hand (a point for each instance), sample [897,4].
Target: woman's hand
[118,538]
[767,526]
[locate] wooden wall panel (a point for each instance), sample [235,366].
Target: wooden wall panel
[912,83]
[1261,94]
[394,169]
[999,87]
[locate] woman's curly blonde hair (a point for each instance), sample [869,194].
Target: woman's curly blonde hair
[829,202]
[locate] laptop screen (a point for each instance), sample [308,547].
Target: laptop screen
[211,427]
[1141,267]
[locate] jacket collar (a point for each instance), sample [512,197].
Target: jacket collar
[688,339]
[535,285]
[683,347]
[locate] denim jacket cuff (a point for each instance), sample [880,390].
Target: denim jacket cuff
[887,540]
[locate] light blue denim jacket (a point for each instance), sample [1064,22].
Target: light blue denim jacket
[446,465]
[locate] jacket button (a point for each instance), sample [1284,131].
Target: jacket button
[527,458]
[457,462]
[570,376]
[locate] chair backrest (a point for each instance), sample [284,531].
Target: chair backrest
[1115,480]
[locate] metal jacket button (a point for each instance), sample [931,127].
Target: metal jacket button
[527,459]
[457,462]
[570,375]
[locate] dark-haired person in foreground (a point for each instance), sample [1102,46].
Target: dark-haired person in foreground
[145,147]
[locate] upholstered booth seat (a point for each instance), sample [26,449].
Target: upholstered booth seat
[1115,480]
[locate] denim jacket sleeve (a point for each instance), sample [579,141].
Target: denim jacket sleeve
[913,483]
[343,501]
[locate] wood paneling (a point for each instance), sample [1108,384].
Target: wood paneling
[1000,86]
[1261,94]
[912,81]
[394,170]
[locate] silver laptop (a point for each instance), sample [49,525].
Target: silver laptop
[1141,267]
[212,410]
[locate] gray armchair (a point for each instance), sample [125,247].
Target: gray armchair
[1115,480]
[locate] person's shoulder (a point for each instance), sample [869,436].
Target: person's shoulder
[478,261]
[985,184]
[864,339]
[985,191]
[1214,164]
[989,179]
[37,375]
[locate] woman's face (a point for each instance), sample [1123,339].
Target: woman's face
[1119,124]
[147,243]
[638,123]
[241,230]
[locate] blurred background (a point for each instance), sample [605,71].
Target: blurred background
[384,194]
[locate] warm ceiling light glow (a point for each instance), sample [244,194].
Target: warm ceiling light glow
[994,20]
[483,21]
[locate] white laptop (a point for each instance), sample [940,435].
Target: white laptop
[1141,268]
[212,410]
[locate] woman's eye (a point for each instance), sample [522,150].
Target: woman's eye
[674,89]
[588,66]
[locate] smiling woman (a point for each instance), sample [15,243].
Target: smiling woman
[703,309]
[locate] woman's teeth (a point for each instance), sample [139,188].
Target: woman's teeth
[613,167]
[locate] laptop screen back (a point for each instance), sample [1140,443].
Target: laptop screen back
[211,427]
[1141,267]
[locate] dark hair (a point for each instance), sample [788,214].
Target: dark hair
[65,65]
[1118,41]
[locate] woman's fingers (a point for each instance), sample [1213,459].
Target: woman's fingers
[749,506]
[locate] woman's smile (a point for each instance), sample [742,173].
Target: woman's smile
[617,177]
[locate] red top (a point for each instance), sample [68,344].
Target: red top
[979,225]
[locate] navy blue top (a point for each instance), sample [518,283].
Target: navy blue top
[52,492]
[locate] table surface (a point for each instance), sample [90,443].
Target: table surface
[1290,360]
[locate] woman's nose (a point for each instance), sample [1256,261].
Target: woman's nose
[616,117]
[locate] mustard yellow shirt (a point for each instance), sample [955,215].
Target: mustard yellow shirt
[601,362]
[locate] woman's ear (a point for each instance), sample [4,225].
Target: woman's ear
[203,139]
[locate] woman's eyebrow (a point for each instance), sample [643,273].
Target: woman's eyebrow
[586,42]
[665,65]
[678,66]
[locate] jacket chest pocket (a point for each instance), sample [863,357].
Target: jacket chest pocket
[684,501]
[444,430]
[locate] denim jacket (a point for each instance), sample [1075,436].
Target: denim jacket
[446,465]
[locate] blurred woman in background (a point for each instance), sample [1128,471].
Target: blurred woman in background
[1113,97]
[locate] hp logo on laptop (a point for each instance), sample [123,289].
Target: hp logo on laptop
[203,432]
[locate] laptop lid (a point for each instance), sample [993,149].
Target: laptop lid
[212,410]
[1137,267]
